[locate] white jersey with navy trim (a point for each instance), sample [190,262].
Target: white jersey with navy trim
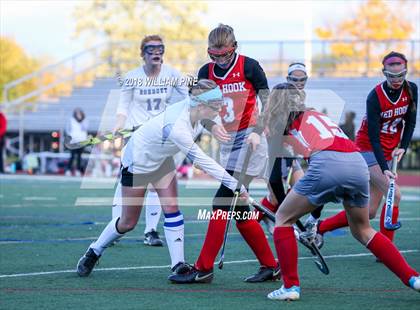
[142,97]
[164,136]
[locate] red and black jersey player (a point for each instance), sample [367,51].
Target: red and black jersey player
[241,80]
[316,137]
[386,131]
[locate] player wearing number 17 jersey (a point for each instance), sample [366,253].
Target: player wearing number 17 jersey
[385,131]
[145,93]
[336,173]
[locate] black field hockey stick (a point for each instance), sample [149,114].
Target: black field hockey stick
[319,259]
[123,133]
[234,202]
[389,203]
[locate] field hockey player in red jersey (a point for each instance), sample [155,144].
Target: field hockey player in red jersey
[386,131]
[314,136]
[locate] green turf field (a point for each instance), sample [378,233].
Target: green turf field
[43,234]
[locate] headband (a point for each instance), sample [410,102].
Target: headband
[296,66]
[394,60]
[211,95]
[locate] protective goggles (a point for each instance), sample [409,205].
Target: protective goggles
[296,79]
[154,49]
[220,54]
[395,76]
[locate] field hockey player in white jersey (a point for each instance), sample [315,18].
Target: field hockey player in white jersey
[148,160]
[146,91]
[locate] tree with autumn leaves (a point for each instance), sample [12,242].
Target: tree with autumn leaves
[126,22]
[358,43]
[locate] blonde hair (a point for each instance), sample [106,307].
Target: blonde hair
[285,104]
[221,36]
[202,86]
[147,39]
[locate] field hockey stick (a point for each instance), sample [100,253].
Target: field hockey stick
[319,259]
[234,202]
[389,203]
[123,133]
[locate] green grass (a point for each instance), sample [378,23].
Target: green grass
[41,230]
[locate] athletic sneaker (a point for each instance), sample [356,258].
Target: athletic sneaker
[181,268]
[319,242]
[265,274]
[283,293]
[311,227]
[415,283]
[87,262]
[193,276]
[152,238]
[311,233]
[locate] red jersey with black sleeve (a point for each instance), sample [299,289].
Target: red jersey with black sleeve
[3,125]
[239,84]
[388,112]
[313,132]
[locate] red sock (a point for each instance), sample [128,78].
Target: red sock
[388,253]
[266,203]
[334,222]
[389,233]
[212,243]
[287,252]
[254,235]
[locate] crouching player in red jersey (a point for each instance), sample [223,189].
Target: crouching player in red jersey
[316,137]
[241,79]
[386,131]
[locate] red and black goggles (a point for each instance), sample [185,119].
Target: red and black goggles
[220,54]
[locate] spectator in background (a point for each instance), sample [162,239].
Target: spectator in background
[348,125]
[3,126]
[77,129]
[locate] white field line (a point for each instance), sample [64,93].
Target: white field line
[40,198]
[16,275]
[96,237]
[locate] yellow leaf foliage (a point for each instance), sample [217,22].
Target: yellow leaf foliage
[374,20]
[15,63]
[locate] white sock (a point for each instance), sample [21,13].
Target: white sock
[108,235]
[174,234]
[152,211]
[117,202]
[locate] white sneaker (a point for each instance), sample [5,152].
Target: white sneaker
[283,293]
[77,173]
[415,283]
[67,173]
[311,226]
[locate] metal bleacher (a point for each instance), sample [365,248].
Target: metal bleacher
[53,116]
